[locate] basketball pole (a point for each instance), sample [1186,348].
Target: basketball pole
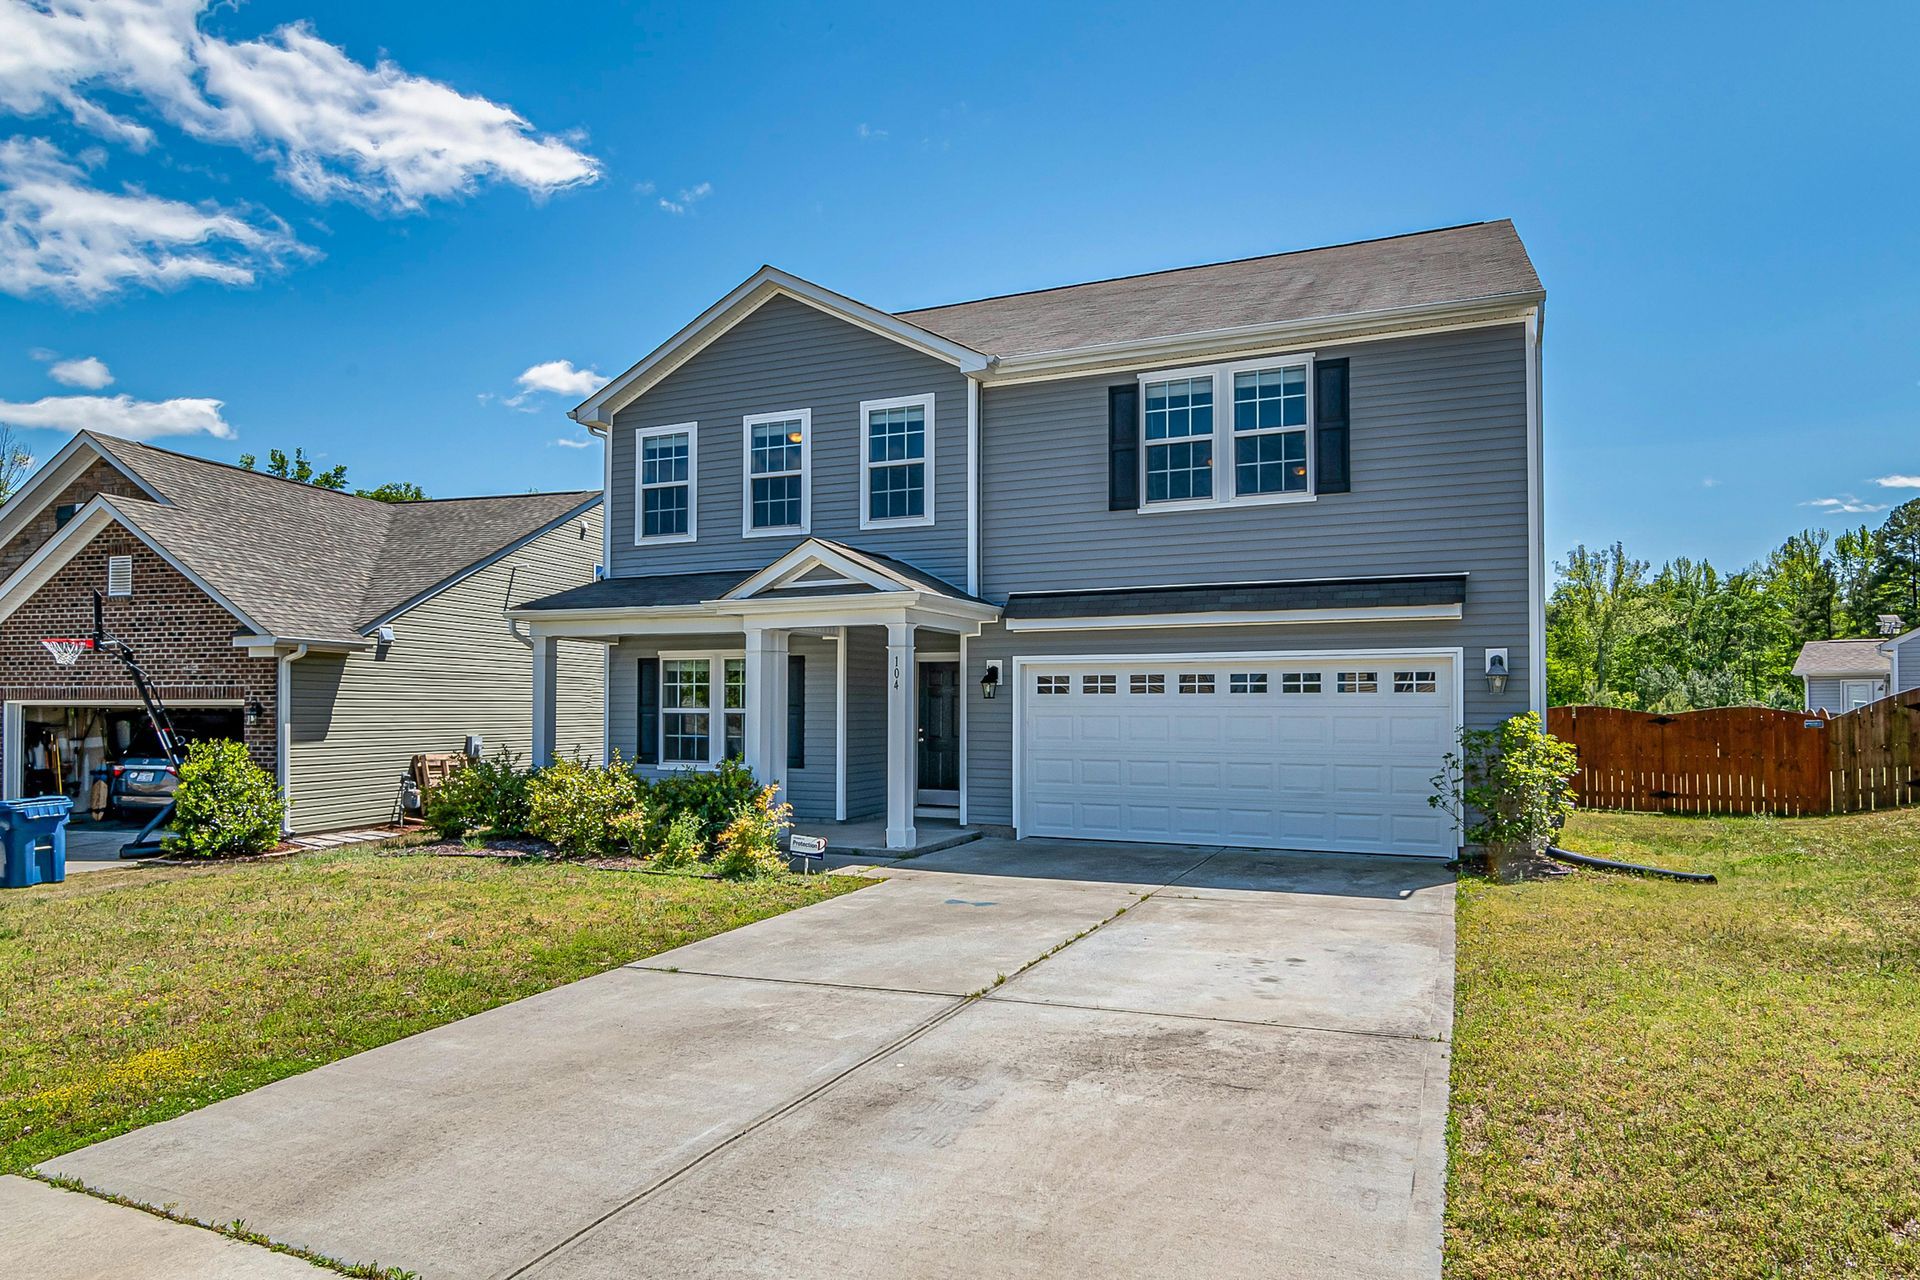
[162,723]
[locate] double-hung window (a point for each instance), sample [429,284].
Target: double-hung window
[1255,417]
[703,708]
[896,461]
[779,449]
[1179,429]
[664,509]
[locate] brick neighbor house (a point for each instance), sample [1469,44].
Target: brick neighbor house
[334,635]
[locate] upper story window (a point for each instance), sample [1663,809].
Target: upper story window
[896,461]
[1179,427]
[779,450]
[1265,435]
[663,483]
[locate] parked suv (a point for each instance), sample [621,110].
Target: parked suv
[143,783]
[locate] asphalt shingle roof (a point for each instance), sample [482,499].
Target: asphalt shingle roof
[316,564]
[1324,593]
[1860,657]
[1483,260]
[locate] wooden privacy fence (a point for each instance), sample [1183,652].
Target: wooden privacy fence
[1744,759]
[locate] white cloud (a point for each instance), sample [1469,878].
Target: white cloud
[89,372]
[64,236]
[867,133]
[1709,482]
[569,442]
[688,198]
[561,376]
[331,126]
[1898,482]
[1846,505]
[119,415]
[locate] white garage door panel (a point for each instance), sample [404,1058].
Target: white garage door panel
[1260,768]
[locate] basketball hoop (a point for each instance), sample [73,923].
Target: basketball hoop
[67,652]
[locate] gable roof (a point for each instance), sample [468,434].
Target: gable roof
[1481,261]
[309,563]
[1863,657]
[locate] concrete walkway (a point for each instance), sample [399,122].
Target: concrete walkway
[1032,1059]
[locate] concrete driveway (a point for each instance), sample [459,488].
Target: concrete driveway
[1032,1059]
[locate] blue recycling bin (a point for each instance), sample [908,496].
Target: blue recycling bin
[35,834]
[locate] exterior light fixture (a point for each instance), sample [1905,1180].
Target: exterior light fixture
[255,711]
[1496,671]
[990,682]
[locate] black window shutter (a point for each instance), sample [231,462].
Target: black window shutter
[1331,448]
[796,711]
[647,744]
[1123,447]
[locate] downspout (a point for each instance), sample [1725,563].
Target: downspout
[283,751]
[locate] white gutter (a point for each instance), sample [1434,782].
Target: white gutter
[283,752]
[973,486]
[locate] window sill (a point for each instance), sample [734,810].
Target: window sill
[783,531]
[664,540]
[905,522]
[1224,504]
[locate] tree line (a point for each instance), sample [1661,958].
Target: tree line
[1686,636]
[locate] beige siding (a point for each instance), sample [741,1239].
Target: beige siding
[453,669]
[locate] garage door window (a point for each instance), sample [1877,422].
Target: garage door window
[1359,682]
[1415,682]
[1191,683]
[1099,684]
[1247,682]
[1143,684]
[1300,682]
[1056,684]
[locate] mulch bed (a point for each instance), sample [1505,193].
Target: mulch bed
[512,850]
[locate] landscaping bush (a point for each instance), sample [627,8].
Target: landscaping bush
[681,845]
[226,806]
[481,795]
[583,809]
[749,845]
[1510,788]
[712,797]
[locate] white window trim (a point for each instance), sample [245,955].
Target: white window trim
[866,510]
[1224,472]
[716,660]
[640,436]
[747,424]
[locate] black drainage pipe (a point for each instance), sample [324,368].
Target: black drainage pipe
[1631,868]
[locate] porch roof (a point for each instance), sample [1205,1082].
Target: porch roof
[1440,590]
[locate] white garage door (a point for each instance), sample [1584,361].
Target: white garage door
[1333,753]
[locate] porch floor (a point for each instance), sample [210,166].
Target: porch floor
[867,837]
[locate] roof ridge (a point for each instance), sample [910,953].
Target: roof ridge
[1201,266]
[234,467]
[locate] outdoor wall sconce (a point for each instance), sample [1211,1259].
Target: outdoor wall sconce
[990,681]
[1496,671]
[254,711]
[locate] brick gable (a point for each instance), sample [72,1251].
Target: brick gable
[101,477]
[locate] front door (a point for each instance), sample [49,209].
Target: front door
[1856,693]
[939,735]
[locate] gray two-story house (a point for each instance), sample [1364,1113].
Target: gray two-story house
[1220,555]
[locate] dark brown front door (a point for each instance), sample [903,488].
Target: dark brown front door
[939,733]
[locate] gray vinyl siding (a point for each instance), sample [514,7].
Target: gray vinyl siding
[453,669]
[866,721]
[788,355]
[1825,692]
[810,788]
[1906,664]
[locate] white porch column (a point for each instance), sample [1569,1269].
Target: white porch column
[767,705]
[545,690]
[902,755]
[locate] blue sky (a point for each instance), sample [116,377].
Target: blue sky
[1721,203]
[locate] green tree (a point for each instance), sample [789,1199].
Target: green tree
[1896,562]
[1855,554]
[395,491]
[298,468]
[1599,606]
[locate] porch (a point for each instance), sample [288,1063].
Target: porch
[835,675]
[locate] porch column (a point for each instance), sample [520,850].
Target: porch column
[902,756]
[545,651]
[767,705]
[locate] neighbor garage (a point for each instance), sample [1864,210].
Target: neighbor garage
[1331,752]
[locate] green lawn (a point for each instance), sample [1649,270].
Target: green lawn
[1658,1079]
[130,996]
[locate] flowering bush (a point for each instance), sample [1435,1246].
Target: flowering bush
[226,806]
[681,844]
[583,809]
[713,798]
[749,845]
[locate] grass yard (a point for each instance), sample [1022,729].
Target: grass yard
[1658,1079]
[127,997]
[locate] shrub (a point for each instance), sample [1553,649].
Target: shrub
[576,805]
[226,806]
[481,795]
[712,797]
[681,845]
[1510,788]
[749,845]
[629,831]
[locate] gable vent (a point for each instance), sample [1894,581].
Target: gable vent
[119,575]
